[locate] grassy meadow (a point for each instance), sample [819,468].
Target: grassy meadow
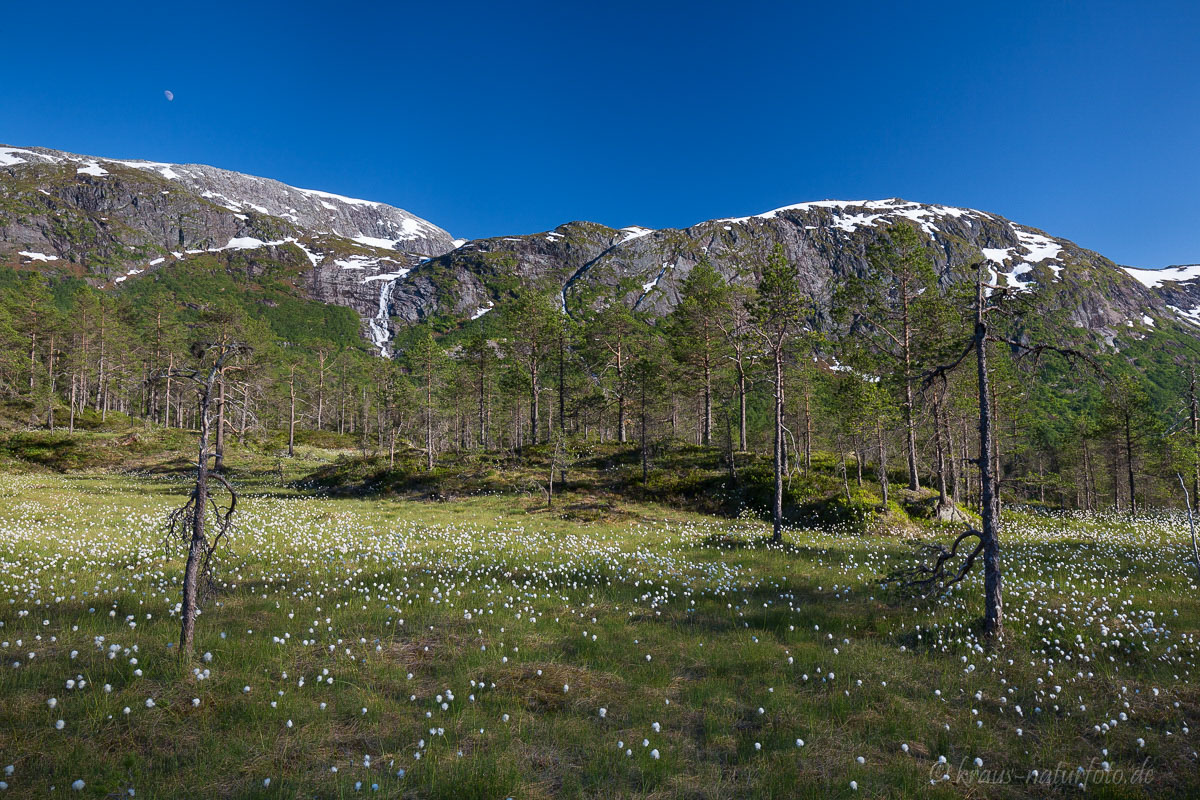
[490,647]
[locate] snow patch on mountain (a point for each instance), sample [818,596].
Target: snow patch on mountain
[1191,315]
[1039,248]
[354,201]
[634,232]
[315,258]
[165,170]
[997,255]
[11,156]
[387,276]
[375,241]
[246,243]
[889,209]
[648,287]
[1154,278]
[92,168]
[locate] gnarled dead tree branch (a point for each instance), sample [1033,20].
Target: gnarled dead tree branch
[939,567]
[190,521]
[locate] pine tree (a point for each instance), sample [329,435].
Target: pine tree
[613,335]
[426,359]
[1127,414]
[532,329]
[885,307]
[776,314]
[695,335]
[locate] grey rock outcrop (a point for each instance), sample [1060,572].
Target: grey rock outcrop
[829,240]
[111,221]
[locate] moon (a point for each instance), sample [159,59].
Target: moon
[169,95]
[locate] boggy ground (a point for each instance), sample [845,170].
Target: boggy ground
[488,648]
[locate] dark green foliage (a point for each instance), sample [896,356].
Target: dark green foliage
[527,373]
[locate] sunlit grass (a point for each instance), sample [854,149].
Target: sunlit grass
[526,625]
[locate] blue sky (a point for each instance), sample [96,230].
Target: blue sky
[490,118]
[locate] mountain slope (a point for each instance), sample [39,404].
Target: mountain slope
[113,222]
[365,221]
[108,221]
[829,240]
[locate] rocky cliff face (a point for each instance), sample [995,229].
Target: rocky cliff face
[122,189]
[112,221]
[109,221]
[828,239]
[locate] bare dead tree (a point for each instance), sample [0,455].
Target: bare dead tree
[938,567]
[189,523]
[1187,504]
[555,459]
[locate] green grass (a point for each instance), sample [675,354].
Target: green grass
[382,589]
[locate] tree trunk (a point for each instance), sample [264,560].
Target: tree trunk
[167,393]
[777,508]
[534,396]
[858,460]
[883,478]
[808,431]
[951,449]
[50,396]
[74,388]
[914,482]
[1129,463]
[320,389]
[429,416]
[741,377]
[940,448]
[993,621]
[482,413]
[219,459]
[729,445]
[997,473]
[197,543]
[645,457]
[707,432]
[620,395]
[842,462]
[100,369]
[292,412]
[1195,414]
[245,411]
[32,355]
[1088,483]
[562,383]
[342,401]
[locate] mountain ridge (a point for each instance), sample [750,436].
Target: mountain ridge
[113,221]
[829,239]
[368,221]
